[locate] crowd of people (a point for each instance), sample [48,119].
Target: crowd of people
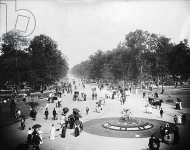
[61,122]
[168,133]
[34,138]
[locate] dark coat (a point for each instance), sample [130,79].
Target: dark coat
[63,132]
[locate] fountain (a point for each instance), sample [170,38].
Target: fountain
[127,123]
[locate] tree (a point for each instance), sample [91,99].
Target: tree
[179,61]
[38,62]
[96,65]
[81,70]
[14,59]
[141,44]
[161,60]
[48,65]
[12,41]
[143,57]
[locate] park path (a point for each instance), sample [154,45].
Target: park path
[87,141]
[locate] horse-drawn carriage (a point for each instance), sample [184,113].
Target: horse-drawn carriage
[76,96]
[155,101]
[73,118]
[52,99]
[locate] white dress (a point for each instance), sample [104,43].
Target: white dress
[180,106]
[52,133]
[179,121]
[40,134]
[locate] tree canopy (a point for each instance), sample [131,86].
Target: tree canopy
[37,61]
[141,56]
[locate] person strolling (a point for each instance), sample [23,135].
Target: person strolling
[154,143]
[161,112]
[22,122]
[144,94]
[95,96]
[87,110]
[85,97]
[59,103]
[92,96]
[18,114]
[175,119]
[150,144]
[176,135]
[46,113]
[76,128]
[33,114]
[36,140]
[157,143]
[54,114]
[63,131]
[29,136]
[52,132]
[162,133]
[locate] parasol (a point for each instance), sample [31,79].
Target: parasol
[36,126]
[54,98]
[76,110]
[65,109]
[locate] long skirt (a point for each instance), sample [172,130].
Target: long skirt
[29,139]
[71,124]
[52,134]
[76,132]
[63,132]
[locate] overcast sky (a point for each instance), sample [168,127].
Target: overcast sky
[81,27]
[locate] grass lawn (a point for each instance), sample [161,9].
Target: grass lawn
[5,118]
[170,95]
[182,93]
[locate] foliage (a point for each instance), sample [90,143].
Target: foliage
[142,56]
[36,61]
[179,61]
[14,59]
[47,63]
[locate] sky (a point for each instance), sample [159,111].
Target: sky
[81,27]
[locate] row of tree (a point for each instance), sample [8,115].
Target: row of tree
[37,61]
[142,56]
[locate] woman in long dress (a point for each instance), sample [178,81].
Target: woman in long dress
[77,128]
[63,132]
[29,136]
[52,132]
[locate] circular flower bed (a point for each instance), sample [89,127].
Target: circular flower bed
[114,127]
